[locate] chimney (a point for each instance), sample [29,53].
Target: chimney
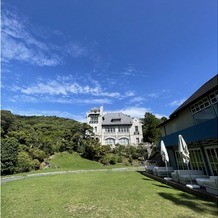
[101,110]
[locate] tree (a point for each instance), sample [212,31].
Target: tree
[150,131]
[9,151]
[24,162]
[7,118]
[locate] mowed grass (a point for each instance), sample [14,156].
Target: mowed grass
[68,162]
[99,194]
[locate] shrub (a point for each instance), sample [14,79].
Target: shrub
[126,162]
[36,164]
[130,160]
[119,159]
[36,153]
[105,160]
[24,162]
[113,160]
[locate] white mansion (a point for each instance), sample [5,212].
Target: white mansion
[115,128]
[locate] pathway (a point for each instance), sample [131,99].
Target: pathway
[12,178]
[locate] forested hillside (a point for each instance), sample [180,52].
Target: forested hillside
[27,141]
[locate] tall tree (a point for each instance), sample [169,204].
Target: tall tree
[7,118]
[9,151]
[150,131]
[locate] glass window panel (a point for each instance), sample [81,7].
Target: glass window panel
[212,154]
[204,115]
[215,106]
[196,160]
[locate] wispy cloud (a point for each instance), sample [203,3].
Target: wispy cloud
[137,99]
[24,44]
[138,112]
[132,71]
[57,88]
[21,45]
[177,102]
[59,100]
[129,71]
[76,50]
[66,90]
[157,93]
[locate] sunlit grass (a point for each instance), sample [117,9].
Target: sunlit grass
[99,194]
[69,162]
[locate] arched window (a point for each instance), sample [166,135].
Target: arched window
[109,141]
[124,141]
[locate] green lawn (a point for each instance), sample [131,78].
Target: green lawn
[99,194]
[68,162]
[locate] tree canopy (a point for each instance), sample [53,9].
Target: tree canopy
[151,133]
[27,140]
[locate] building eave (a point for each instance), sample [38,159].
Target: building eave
[209,86]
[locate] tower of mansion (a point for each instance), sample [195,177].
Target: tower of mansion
[115,128]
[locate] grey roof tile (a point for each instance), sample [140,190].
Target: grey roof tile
[116,119]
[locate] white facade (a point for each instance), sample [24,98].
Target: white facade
[115,128]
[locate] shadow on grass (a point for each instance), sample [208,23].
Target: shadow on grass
[191,202]
[162,186]
[147,179]
[184,199]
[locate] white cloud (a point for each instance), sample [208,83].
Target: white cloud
[24,98]
[129,94]
[51,88]
[137,112]
[137,99]
[129,71]
[177,102]
[59,100]
[58,87]
[160,115]
[19,44]
[157,94]
[99,101]
[76,50]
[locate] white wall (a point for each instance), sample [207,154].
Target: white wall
[131,135]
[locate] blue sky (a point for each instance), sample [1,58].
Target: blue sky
[65,57]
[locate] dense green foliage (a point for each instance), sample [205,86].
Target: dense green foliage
[9,153]
[151,133]
[27,141]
